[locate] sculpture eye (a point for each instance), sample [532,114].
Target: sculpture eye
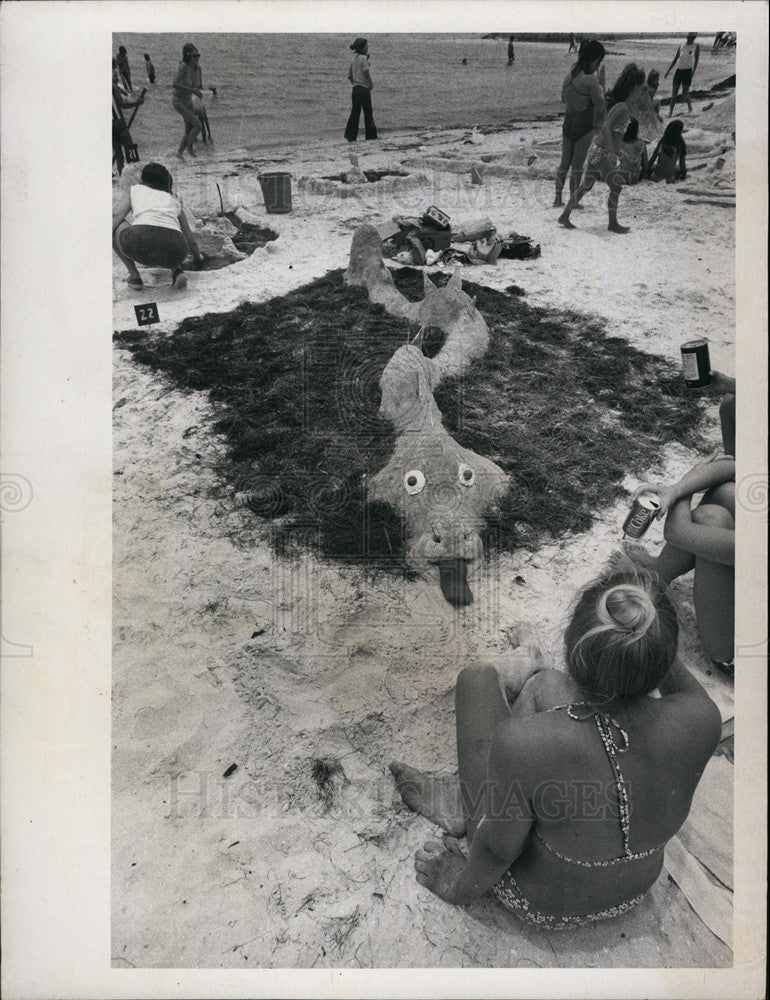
[466,475]
[414,482]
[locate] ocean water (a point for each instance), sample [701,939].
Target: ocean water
[281,91]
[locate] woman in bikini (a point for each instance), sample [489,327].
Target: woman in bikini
[569,794]
[584,98]
[606,147]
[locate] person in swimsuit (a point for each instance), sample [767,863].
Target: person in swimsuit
[702,539]
[159,234]
[125,69]
[570,793]
[668,162]
[687,56]
[584,98]
[188,83]
[632,159]
[603,156]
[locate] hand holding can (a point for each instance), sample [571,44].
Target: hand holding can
[643,512]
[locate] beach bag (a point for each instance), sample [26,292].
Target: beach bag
[516,247]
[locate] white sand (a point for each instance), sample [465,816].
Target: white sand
[259,871]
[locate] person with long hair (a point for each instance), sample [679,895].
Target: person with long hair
[668,162]
[159,234]
[603,155]
[571,784]
[188,83]
[583,96]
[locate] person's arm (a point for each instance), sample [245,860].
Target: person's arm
[499,837]
[596,94]
[615,126]
[713,472]
[188,235]
[367,76]
[703,719]
[178,85]
[708,541]
[123,100]
[682,163]
[697,57]
[643,164]
[121,209]
[673,62]
[653,158]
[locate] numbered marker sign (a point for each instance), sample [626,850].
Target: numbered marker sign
[146,314]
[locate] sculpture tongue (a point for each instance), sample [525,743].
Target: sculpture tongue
[454,581]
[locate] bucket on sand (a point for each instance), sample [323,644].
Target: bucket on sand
[276,190]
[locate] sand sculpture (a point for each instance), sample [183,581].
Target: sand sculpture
[443,492]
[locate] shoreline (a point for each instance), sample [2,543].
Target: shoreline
[225,654]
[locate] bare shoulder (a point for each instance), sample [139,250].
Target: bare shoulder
[691,721]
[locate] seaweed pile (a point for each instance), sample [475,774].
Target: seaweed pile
[564,408]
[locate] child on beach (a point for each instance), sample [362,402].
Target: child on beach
[702,538]
[159,234]
[539,858]
[632,158]
[670,150]
[188,83]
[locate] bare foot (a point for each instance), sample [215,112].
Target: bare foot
[435,797]
[180,157]
[563,220]
[615,227]
[578,207]
[439,869]
[557,203]
[637,553]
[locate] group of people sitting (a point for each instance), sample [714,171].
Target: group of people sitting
[570,784]
[600,135]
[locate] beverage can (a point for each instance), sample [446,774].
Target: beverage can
[643,512]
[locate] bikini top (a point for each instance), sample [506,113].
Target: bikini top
[607,726]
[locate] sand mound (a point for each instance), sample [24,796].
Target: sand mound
[720,118]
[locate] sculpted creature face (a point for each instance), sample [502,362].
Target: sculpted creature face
[444,493]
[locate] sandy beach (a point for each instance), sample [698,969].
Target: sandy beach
[311,675]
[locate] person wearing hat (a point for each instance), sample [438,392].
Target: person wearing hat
[687,55]
[188,83]
[361,79]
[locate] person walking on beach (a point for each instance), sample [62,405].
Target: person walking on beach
[188,83]
[687,56]
[603,156]
[125,69]
[149,67]
[585,112]
[572,43]
[511,56]
[361,79]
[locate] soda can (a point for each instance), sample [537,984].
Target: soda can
[642,514]
[696,364]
